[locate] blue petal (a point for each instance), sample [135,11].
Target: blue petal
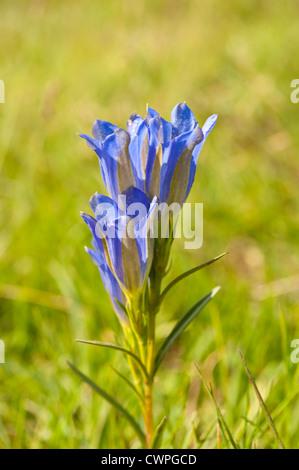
[138,150]
[165,131]
[109,281]
[209,124]
[133,124]
[135,250]
[154,125]
[109,247]
[96,257]
[114,256]
[100,203]
[181,146]
[182,118]
[207,127]
[116,162]
[134,195]
[160,134]
[93,144]
[144,243]
[101,129]
[92,224]
[151,112]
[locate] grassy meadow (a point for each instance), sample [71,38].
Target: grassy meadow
[64,64]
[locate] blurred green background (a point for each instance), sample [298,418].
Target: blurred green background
[66,63]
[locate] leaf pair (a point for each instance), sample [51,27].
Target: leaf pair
[168,342]
[182,325]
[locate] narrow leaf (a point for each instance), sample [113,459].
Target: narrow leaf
[263,406]
[221,432]
[117,348]
[112,402]
[202,440]
[253,424]
[188,273]
[221,420]
[159,433]
[181,325]
[128,382]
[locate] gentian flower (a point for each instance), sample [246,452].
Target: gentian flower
[152,161]
[153,155]
[123,250]
[110,282]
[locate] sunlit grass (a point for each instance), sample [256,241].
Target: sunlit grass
[66,63]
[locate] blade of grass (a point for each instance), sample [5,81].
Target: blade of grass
[252,423]
[36,296]
[202,441]
[110,400]
[263,406]
[189,436]
[221,420]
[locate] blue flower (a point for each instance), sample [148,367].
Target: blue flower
[152,161]
[123,250]
[110,282]
[153,155]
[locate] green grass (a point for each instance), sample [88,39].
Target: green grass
[66,63]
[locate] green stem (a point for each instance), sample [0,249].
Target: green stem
[145,338]
[156,277]
[148,411]
[130,339]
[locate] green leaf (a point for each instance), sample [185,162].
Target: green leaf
[112,402]
[128,382]
[188,273]
[263,406]
[159,433]
[181,325]
[224,427]
[117,348]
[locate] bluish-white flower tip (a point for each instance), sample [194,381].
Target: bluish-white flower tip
[87,218]
[84,215]
[209,124]
[215,291]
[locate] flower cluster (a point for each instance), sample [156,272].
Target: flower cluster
[152,162]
